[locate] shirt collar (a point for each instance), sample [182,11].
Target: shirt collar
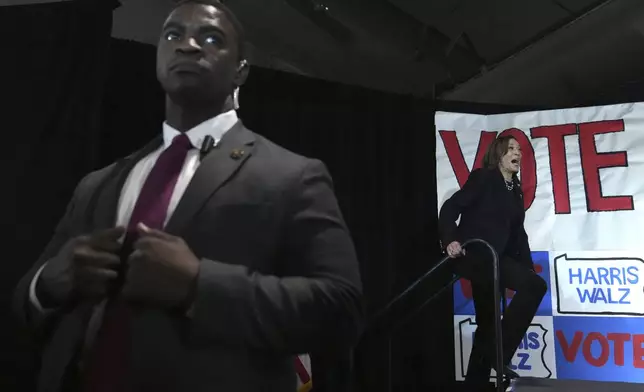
[215,127]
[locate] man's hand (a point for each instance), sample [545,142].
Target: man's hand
[96,261]
[162,270]
[454,249]
[87,271]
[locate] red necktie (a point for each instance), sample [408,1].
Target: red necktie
[108,361]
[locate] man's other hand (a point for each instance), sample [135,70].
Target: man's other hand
[88,270]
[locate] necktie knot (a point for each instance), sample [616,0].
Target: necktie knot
[181,142]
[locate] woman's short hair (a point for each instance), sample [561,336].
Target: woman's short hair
[496,151]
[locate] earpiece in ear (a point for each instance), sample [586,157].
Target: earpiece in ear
[242,64]
[236,98]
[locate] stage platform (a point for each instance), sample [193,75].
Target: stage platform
[547,385]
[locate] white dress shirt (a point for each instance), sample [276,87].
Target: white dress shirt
[215,127]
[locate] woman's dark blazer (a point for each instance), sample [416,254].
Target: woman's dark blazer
[486,209]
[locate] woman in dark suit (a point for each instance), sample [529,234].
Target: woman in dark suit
[490,206]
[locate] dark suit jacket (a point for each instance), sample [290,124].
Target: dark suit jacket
[487,211]
[278,275]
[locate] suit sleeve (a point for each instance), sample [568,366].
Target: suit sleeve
[317,310]
[455,205]
[28,313]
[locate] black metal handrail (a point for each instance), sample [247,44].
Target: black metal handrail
[497,299]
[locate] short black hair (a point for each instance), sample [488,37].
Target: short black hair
[219,4]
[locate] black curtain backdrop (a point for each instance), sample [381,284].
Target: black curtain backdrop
[53,70]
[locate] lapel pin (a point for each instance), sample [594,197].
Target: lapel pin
[236,154]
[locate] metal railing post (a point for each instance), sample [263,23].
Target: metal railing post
[498,333]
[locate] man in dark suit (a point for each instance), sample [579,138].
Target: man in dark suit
[186,269]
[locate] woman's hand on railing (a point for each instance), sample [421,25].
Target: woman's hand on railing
[454,249]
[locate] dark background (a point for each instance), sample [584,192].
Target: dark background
[76,99]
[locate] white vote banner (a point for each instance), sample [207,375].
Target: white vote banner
[582,171]
[582,174]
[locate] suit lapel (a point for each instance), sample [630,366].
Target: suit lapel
[214,171]
[108,193]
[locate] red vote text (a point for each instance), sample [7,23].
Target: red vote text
[591,162]
[611,345]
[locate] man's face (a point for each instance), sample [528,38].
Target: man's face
[197,55]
